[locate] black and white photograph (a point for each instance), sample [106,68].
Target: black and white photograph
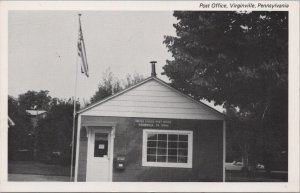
[187,96]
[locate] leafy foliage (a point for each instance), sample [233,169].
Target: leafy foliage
[53,134]
[231,58]
[19,135]
[132,80]
[55,131]
[110,84]
[35,100]
[107,86]
[239,60]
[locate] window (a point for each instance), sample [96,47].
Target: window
[101,145]
[167,148]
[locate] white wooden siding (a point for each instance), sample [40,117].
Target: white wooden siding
[153,100]
[154,109]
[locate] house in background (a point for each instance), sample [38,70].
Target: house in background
[150,132]
[35,115]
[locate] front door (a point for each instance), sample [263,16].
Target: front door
[99,155]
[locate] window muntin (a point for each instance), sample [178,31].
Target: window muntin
[167,148]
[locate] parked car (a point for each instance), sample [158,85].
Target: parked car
[234,165]
[260,167]
[238,166]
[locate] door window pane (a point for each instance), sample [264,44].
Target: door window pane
[101,145]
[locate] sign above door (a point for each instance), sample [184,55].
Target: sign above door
[153,123]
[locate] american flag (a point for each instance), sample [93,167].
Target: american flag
[82,52]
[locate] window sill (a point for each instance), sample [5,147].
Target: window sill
[168,165]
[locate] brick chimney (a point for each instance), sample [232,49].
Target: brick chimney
[153,73]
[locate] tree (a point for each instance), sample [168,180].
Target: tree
[240,134]
[55,132]
[110,84]
[107,86]
[19,135]
[238,60]
[132,80]
[35,100]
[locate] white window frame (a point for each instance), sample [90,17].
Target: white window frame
[189,164]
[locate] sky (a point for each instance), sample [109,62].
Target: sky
[42,48]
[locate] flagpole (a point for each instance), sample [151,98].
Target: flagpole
[74,114]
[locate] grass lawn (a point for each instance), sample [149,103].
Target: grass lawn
[36,178]
[260,176]
[36,171]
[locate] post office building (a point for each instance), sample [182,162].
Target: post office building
[150,132]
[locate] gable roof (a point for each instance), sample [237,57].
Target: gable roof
[167,103]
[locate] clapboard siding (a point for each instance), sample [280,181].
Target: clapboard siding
[153,109]
[151,115]
[153,99]
[152,88]
[151,93]
[149,104]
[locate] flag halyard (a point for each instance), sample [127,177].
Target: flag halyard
[82,52]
